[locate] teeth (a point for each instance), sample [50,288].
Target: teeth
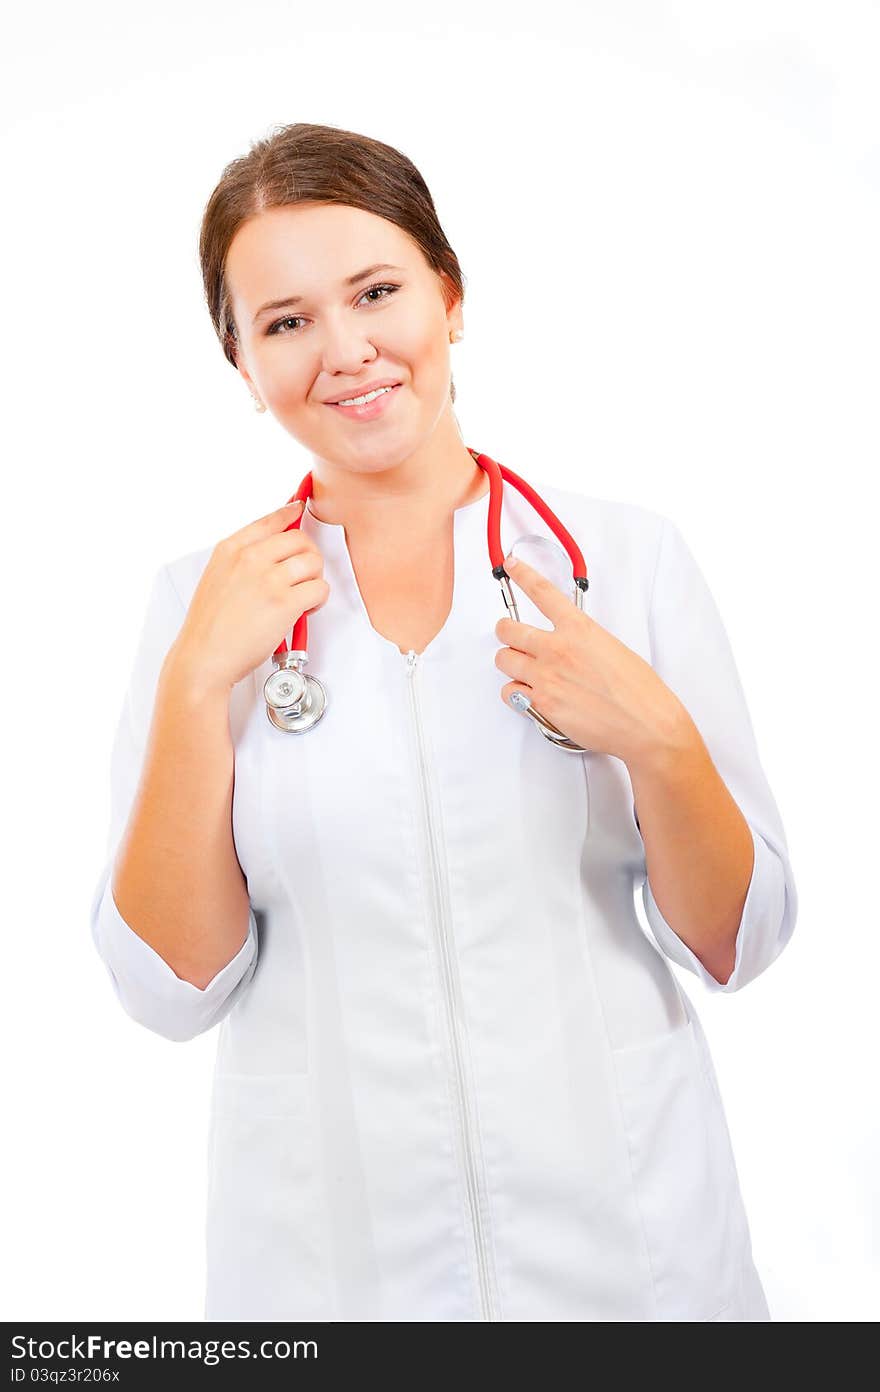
[360,400]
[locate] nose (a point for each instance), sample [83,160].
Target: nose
[345,348]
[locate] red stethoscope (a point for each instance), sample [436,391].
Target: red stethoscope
[296,701]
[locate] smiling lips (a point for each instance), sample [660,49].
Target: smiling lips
[368,410]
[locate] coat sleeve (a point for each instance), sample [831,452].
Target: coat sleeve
[145,985]
[691,652]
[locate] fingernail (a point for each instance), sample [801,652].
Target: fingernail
[509,562]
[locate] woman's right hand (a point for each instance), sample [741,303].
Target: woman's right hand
[257,583]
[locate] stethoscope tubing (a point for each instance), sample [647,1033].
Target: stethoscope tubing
[289,691]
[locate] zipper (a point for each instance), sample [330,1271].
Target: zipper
[452,998]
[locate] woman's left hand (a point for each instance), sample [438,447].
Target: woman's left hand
[587,683]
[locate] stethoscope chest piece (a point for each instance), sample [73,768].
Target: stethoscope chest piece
[294,701]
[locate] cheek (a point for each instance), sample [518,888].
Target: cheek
[284,376]
[424,348]
[415,333]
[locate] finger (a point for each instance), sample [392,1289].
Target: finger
[278,546]
[515,664]
[516,688]
[292,512]
[523,636]
[541,591]
[288,512]
[276,521]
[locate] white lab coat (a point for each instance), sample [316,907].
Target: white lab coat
[455,1078]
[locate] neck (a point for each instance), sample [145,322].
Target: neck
[417,497]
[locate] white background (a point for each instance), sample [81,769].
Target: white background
[668,216]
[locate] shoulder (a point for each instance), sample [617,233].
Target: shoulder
[621,518]
[625,536]
[185,572]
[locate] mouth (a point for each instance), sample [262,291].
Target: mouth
[370,410]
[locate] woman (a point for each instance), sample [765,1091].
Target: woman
[455,1079]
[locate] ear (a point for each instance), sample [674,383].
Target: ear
[453,301]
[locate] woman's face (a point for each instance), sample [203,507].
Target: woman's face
[328,339]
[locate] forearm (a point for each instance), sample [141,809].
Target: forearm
[699,853]
[177,881]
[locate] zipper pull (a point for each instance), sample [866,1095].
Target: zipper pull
[412,658]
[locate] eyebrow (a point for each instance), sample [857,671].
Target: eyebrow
[350,280]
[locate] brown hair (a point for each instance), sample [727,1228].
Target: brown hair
[321,164]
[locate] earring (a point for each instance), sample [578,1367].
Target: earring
[258,404]
[456,335]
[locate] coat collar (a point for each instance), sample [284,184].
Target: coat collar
[476,601]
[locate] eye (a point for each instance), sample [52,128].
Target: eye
[296,318]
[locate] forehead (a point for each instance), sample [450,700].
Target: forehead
[308,247]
